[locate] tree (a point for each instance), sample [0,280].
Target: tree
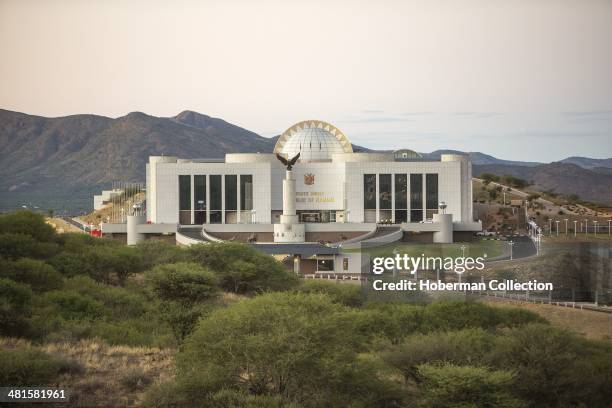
[28,223]
[488,177]
[300,346]
[242,269]
[15,308]
[40,276]
[183,290]
[448,385]
[187,283]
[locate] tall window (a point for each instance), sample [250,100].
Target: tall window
[401,198]
[384,192]
[431,195]
[215,199]
[416,197]
[184,200]
[246,192]
[199,199]
[231,198]
[369,191]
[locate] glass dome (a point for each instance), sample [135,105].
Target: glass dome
[314,140]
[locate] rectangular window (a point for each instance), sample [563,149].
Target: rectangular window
[325,265]
[416,191]
[369,191]
[416,197]
[431,191]
[401,216]
[215,199]
[231,192]
[246,192]
[184,200]
[401,191]
[384,192]
[199,199]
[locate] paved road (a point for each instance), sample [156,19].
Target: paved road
[523,247]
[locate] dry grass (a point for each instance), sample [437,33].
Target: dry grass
[590,324]
[111,375]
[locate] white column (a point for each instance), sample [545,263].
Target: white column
[377,196]
[239,209]
[208,199]
[223,199]
[393,197]
[192,198]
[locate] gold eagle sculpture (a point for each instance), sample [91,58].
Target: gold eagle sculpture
[288,163]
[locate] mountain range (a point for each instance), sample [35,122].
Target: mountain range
[60,162]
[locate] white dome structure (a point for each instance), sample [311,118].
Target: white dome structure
[315,140]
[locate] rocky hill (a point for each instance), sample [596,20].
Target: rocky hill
[60,162]
[76,155]
[564,178]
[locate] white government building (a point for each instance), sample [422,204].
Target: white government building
[331,195]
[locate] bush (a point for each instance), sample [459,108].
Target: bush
[242,269]
[28,223]
[109,259]
[448,385]
[72,264]
[155,252]
[30,367]
[15,246]
[391,321]
[40,276]
[187,283]
[348,295]
[551,366]
[301,346]
[462,315]
[15,308]
[74,306]
[470,346]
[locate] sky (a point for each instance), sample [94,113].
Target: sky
[518,79]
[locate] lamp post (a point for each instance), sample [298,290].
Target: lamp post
[463,251]
[595,222]
[557,226]
[565,219]
[586,227]
[550,226]
[511,243]
[575,227]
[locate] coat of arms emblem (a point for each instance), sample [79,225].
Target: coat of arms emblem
[309,179]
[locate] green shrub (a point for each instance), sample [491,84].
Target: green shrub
[15,307]
[28,223]
[392,321]
[40,276]
[449,385]
[187,283]
[345,294]
[155,252]
[30,367]
[301,346]
[548,360]
[242,269]
[462,315]
[469,346]
[72,264]
[14,246]
[74,306]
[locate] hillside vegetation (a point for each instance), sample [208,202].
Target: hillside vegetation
[221,325]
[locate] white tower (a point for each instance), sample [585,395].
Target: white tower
[289,230]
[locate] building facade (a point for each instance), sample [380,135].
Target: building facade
[333,185]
